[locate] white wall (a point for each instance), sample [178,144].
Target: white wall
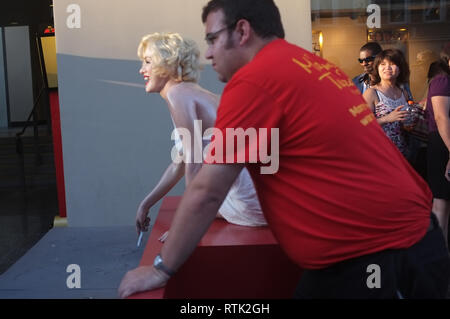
[296,17]
[116,139]
[115,27]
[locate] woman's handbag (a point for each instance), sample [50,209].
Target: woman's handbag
[417,124]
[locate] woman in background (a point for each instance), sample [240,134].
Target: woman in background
[438,115]
[387,96]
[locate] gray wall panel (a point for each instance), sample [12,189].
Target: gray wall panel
[3,105]
[18,63]
[116,138]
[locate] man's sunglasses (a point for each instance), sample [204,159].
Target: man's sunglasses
[367,60]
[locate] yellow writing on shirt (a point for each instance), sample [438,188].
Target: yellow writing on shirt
[327,71]
[339,83]
[307,65]
[358,110]
[369,118]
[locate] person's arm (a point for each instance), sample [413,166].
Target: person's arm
[184,118]
[441,108]
[371,98]
[169,179]
[196,212]
[199,205]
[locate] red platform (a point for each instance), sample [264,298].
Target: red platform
[58,151]
[230,262]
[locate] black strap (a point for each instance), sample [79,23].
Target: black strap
[405,93]
[378,95]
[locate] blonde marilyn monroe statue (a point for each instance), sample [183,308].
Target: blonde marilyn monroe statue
[170,67]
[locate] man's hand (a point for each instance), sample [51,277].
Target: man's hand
[194,215]
[142,279]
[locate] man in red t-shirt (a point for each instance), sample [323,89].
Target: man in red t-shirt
[337,194]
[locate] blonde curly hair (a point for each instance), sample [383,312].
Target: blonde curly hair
[172,56]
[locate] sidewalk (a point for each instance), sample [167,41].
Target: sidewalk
[103,254]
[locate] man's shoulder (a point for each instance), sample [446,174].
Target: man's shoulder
[440,85]
[440,80]
[277,52]
[358,79]
[271,60]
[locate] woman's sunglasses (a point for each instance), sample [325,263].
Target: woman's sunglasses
[367,60]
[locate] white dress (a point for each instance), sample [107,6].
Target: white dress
[241,206]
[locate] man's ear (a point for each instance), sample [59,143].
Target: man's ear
[244,30]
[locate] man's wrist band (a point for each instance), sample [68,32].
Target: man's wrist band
[159,264]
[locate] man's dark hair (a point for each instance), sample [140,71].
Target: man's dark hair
[445,53]
[263,15]
[373,47]
[396,57]
[437,68]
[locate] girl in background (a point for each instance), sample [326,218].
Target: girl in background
[387,96]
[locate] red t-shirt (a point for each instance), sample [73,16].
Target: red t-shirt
[342,189]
